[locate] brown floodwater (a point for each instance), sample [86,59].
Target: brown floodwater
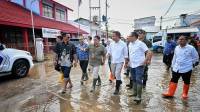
[39,92]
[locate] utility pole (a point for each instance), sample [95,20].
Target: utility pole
[161,18]
[90,18]
[95,8]
[100,17]
[33,29]
[106,24]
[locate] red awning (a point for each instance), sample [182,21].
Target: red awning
[15,15]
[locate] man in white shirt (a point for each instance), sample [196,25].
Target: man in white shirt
[119,54]
[185,57]
[137,60]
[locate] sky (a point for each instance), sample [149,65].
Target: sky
[121,13]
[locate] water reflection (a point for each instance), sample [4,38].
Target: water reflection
[45,93]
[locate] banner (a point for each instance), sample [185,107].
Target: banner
[50,33]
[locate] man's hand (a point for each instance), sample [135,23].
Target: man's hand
[126,65]
[149,55]
[75,64]
[83,49]
[197,63]
[103,62]
[147,62]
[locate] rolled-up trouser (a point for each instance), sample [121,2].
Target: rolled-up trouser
[66,72]
[137,74]
[95,71]
[116,70]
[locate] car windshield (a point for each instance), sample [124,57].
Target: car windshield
[75,41]
[157,38]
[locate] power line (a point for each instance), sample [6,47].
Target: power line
[161,18]
[169,8]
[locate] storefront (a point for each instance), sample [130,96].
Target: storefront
[16,28]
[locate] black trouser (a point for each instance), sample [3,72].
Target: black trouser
[84,65]
[128,70]
[109,64]
[185,76]
[167,59]
[145,75]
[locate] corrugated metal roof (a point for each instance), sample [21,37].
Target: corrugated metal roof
[183,30]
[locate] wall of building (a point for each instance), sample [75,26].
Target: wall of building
[144,22]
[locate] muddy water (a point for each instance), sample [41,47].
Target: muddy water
[39,92]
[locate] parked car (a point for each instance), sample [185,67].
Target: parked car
[14,62]
[74,41]
[158,41]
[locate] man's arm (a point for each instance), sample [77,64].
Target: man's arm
[148,54]
[56,48]
[104,56]
[74,55]
[195,56]
[109,50]
[174,58]
[148,57]
[125,51]
[87,48]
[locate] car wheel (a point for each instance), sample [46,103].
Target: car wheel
[159,50]
[20,68]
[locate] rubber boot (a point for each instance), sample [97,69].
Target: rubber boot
[118,83]
[85,76]
[134,90]
[171,90]
[144,83]
[145,77]
[185,91]
[139,93]
[93,85]
[99,81]
[82,78]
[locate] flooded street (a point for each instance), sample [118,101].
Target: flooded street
[39,92]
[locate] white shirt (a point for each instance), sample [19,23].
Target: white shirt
[118,51]
[184,58]
[137,51]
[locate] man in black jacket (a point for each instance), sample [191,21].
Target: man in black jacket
[66,53]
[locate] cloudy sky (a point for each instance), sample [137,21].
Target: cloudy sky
[123,12]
